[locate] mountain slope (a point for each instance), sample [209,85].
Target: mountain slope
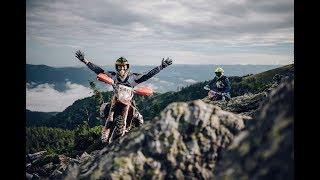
[34,118]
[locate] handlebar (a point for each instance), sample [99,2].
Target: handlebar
[144,91]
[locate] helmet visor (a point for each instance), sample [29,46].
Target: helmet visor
[218,74]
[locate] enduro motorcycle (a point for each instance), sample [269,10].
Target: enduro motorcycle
[123,109]
[213,95]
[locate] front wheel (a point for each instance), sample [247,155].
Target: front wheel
[105,134]
[119,128]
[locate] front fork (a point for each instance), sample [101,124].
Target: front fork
[125,116]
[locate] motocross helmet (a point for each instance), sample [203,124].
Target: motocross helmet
[219,71]
[121,62]
[122,67]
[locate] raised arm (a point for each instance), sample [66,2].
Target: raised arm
[143,77]
[93,67]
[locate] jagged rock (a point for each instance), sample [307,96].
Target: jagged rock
[51,170]
[183,143]
[246,104]
[35,156]
[95,152]
[56,174]
[38,166]
[84,157]
[29,176]
[67,164]
[32,176]
[49,167]
[277,80]
[265,150]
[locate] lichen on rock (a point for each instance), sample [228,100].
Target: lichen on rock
[183,142]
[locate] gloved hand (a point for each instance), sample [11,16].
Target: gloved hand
[80,56]
[166,62]
[206,87]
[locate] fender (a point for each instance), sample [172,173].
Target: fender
[105,78]
[144,91]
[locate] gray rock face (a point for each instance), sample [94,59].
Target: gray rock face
[246,104]
[265,149]
[35,156]
[183,143]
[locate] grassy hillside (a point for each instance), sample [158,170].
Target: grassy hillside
[34,118]
[63,141]
[259,82]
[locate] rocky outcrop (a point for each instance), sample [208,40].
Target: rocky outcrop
[249,103]
[184,142]
[42,165]
[246,104]
[39,165]
[265,149]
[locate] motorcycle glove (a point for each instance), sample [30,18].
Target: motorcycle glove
[80,56]
[166,62]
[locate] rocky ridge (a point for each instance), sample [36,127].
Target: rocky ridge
[265,149]
[184,142]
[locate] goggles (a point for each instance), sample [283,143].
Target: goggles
[122,67]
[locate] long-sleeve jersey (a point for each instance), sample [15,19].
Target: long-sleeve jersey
[131,80]
[221,84]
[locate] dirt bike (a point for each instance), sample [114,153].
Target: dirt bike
[123,109]
[213,95]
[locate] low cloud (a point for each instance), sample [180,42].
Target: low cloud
[190,80]
[45,98]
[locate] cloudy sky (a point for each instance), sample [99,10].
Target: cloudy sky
[188,31]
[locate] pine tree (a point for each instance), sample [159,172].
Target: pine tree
[98,97]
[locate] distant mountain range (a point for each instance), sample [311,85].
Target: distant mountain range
[171,79]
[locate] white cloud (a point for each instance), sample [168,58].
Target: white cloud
[45,98]
[190,80]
